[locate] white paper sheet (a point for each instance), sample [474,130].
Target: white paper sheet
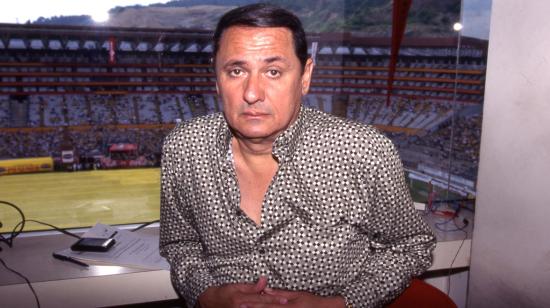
[131,249]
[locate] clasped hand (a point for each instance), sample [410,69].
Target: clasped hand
[258,295]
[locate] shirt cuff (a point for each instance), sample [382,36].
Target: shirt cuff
[194,286]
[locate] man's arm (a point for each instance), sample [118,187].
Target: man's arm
[179,241]
[180,245]
[400,240]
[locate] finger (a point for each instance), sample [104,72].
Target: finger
[260,305]
[264,306]
[251,288]
[282,293]
[261,284]
[256,300]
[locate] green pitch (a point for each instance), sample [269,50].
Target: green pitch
[80,199]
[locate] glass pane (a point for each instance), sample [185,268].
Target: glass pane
[93,103]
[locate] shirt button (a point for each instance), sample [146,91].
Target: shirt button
[238,213]
[261,250]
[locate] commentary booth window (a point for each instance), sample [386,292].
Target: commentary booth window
[85,103]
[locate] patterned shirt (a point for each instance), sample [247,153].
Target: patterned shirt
[337,218]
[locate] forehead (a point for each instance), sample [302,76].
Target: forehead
[241,40]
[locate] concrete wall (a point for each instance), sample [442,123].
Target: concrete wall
[511,245]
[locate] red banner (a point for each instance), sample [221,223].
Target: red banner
[123,147]
[399,22]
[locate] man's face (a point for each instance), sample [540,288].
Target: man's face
[260,81]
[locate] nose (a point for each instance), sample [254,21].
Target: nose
[253,91]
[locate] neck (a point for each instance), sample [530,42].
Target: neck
[250,149]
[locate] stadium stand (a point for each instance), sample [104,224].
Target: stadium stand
[63,86]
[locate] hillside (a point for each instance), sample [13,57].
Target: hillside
[194,17]
[371,17]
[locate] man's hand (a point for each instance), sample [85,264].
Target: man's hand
[300,299]
[239,295]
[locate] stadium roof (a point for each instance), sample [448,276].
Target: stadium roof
[41,37]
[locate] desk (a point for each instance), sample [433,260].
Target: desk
[59,283]
[453,247]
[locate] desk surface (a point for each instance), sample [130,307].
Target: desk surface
[32,256]
[58,282]
[453,245]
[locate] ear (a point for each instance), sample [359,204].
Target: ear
[213,63]
[306,76]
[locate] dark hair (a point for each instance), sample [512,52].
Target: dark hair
[264,16]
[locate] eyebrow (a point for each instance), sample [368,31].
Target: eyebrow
[275,59]
[234,63]
[266,60]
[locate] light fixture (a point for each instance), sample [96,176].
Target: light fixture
[457,26]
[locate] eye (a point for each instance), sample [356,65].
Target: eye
[273,73]
[236,72]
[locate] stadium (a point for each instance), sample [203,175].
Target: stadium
[86,101]
[95,98]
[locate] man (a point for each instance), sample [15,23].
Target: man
[272,204]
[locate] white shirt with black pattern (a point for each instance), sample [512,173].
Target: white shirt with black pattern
[337,218]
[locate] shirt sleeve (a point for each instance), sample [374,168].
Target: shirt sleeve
[401,242]
[179,241]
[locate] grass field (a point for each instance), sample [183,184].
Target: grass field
[80,199]
[420,190]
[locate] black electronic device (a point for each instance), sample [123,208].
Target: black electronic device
[93,244]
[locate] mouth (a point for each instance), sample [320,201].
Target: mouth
[254,114]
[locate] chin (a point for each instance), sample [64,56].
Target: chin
[254,132]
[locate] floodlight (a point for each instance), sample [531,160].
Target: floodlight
[457,26]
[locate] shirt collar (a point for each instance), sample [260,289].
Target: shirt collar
[283,147]
[223,140]
[286,143]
